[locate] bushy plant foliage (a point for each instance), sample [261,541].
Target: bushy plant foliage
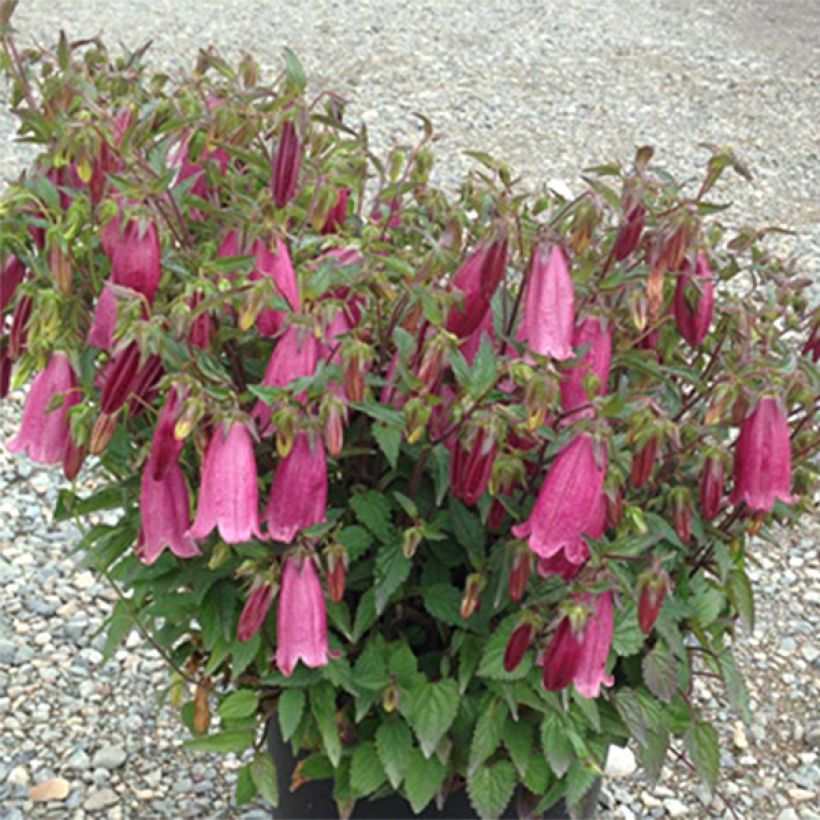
[456,486]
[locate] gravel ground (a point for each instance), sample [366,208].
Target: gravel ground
[550,87]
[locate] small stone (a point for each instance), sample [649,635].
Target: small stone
[109,757]
[787,645]
[78,761]
[788,814]
[84,580]
[620,762]
[800,795]
[674,807]
[624,813]
[739,737]
[650,801]
[102,799]
[810,653]
[18,776]
[56,788]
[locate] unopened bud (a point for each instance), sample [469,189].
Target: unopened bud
[520,572]
[390,698]
[416,417]
[471,599]
[410,541]
[652,587]
[518,644]
[73,459]
[102,432]
[120,378]
[60,267]
[189,418]
[614,508]
[251,309]
[682,513]
[221,553]
[336,557]
[643,463]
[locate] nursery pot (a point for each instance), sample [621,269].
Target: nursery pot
[315,798]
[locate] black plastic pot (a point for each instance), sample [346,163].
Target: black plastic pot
[314,800]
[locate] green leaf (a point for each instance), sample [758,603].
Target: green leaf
[393,745]
[243,654]
[557,747]
[441,472]
[485,368]
[370,669]
[391,571]
[216,613]
[491,787]
[239,704]
[119,625]
[653,754]
[389,441]
[517,737]
[736,688]
[366,772]
[702,744]
[660,673]
[580,779]
[468,531]
[381,412]
[365,615]
[537,777]
[628,638]
[297,78]
[323,707]
[443,602]
[434,707]
[468,658]
[290,706]
[245,787]
[492,661]
[263,772]
[233,740]
[423,779]
[739,590]
[372,509]
[706,600]
[403,664]
[629,708]
[356,540]
[487,733]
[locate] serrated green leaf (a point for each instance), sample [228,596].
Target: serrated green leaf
[556,744]
[706,601]
[736,689]
[370,669]
[469,656]
[441,472]
[423,779]
[702,745]
[631,712]
[485,368]
[580,779]
[389,441]
[372,509]
[487,733]
[660,672]
[290,707]
[628,638]
[245,787]
[297,78]
[490,788]
[263,772]
[518,737]
[239,705]
[434,707]
[233,740]
[118,626]
[443,602]
[356,540]
[393,746]
[366,772]
[380,412]
[365,615]
[403,664]
[739,590]
[468,531]
[323,707]
[243,654]
[653,754]
[391,571]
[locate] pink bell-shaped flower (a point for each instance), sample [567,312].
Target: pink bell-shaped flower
[165,511]
[549,305]
[711,488]
[694,301]
[301,620]
[134,251]
[228,494]
[591,672]
[298,497]
[45,433]
[278,266]
[286,165]
[763,458]
[471,465]
[255,610]
[165,447]
[104,322]
[570,504]
[596,337]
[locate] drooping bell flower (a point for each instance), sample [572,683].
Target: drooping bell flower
[144,388]
[278,266]
[629,234]
[562,658]
[104,323]
[518,644]
[228,494]
[596,336]
[763,459]
[165,513]
[255,610]
[570,504]
[286,164]
[45,432]
[165,447]
[711,488]
[548,320]
[591,672]
[561,566]
[477,280]
[471,465]
[119,379]
[301,620]
[135,256]
[294,357]
[337,215]
[694,301]
[298,497]
[643,463]
[11,275]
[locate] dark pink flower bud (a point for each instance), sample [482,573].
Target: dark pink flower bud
[629,234]
[134,251]
[336,574]
[73,459]
[45,433]
[286,164]
[228,494]
[763,459]
[570,503]
[120,379]
[562,658]
[711,488]
[298,497]
[11,275]
[652,587]
[643,463]
[255,610]
[144,388]
[18,335]
[520,641]
[301,621]
[165,514]
[682,514]
[477,279]
[594,335]
[337,215]
[471,466]
[614,508]
[520,572]
[278,266]
[694,301]
[548,321]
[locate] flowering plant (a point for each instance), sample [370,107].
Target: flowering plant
[455,487]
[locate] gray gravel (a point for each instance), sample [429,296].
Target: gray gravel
[551,88]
